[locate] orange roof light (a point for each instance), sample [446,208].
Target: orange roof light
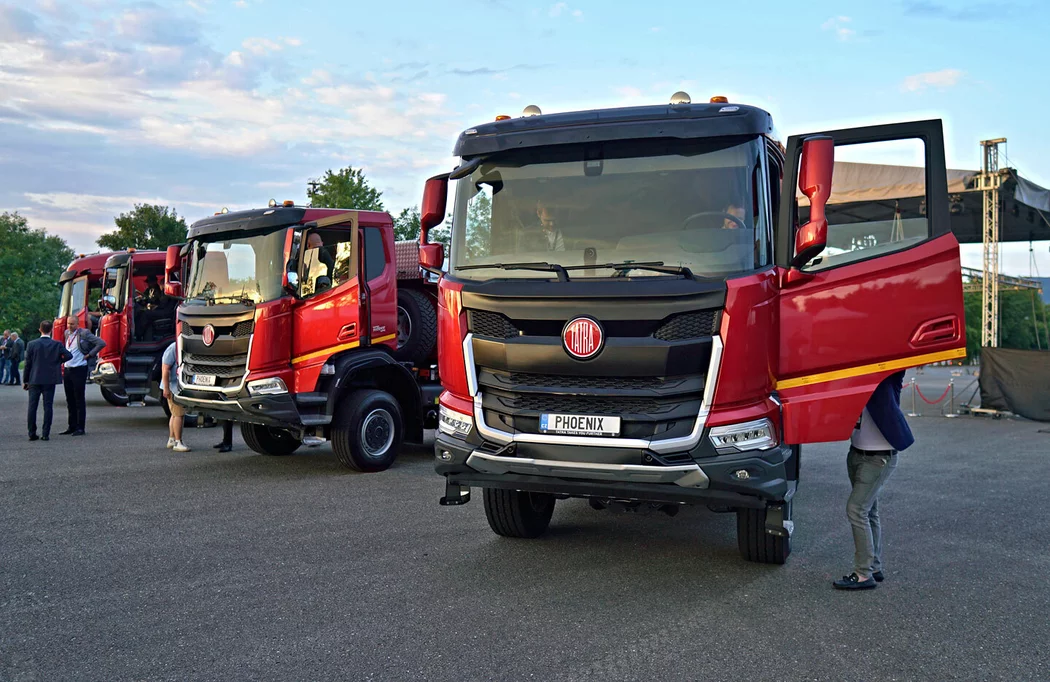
[289,202]
[502,117]
[719,99]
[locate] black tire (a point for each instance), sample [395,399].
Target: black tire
[518,514]
[416,326]
[267,440]
[114,399]
[755,543]
[367,431]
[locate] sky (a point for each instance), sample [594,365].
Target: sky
[204,104]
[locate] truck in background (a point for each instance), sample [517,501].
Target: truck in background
[640,309]
[309,324]
[81,288]
[136,332]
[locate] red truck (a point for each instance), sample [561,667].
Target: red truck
[81,288]
[136,332]
[640,309]
[305,324]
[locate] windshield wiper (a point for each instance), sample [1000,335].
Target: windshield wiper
[627,266]
[542,266]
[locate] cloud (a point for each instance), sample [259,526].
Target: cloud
[488,71]
[96,203]
[940,80]
[16,24]
[839,25]
[559,9]
[982,11]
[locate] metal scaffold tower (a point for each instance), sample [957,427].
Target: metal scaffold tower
[990,181]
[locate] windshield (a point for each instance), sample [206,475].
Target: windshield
[700,205]
[243,270]
[113,285]
[65,298]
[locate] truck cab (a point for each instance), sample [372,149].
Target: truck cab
[81,287]
[308,324]
[137,324]
[660,305]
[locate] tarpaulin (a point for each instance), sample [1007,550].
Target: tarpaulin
[1016,381]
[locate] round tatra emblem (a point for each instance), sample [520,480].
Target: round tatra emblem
[209,335]
[583,338]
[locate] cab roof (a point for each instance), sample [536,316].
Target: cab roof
[274,217]
[684,121]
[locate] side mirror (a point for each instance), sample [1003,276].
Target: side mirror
[432,258]
[291,282]
[814,180]
[435,198]
[173,289]
[172,268]
[107,303]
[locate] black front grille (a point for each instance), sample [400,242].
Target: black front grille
[185,329]
[581,404]
[493,325]
[242,329]
[215,359]
[689,326]
[586,382]
[221,371]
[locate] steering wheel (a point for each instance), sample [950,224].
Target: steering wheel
[703,214]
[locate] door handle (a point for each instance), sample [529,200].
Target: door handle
[940,330]
[347,332]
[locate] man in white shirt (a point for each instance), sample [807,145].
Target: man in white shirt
[84,347]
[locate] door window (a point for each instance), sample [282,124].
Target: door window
[878,202]
[375,255]
[327,260]
[78,298]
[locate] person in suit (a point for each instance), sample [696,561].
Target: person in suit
[44,358]
[15,354]
[83,347]
[5,374]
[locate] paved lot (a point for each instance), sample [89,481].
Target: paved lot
[120,560]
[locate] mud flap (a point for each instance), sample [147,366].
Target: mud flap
[455,495]
[778,520]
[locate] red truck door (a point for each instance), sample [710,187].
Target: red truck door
[886,292]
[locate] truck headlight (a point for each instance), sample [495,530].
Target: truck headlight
[754,435]
[106,368]
[454,423]
[271,386]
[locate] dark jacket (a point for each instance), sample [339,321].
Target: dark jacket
[884,406]
[44,358]
[90,344]
[15,350]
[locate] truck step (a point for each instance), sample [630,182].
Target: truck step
[311,398]
[315,419]
[136,378]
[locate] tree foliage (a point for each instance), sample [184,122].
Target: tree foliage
[346,188]
[30,263]
[1017,328]
[406,224]
[147,226]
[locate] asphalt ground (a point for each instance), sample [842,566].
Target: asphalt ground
[121,560]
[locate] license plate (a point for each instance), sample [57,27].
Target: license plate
[580,425]
[203,379]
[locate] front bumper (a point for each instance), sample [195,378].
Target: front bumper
[268,410]
[578,471]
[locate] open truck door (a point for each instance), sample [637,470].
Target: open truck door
[871,284]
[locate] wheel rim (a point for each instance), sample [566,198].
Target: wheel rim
[377,432]
[404,327]
[279,435]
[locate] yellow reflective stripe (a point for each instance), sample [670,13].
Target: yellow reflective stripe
[381,339]
[325,352]
[903,363]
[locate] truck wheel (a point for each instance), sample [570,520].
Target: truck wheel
[755,543]
[416,326]
[367,431]
[114,399]
[518,514]
[267,440]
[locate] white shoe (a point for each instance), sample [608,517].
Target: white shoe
[171,443]
[180,447]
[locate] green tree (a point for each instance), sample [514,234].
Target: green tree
[479,225]
[30,263]
[1017,328]
[406,224]
[346,188]
[147,226]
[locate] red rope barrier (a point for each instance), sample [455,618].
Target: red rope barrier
[932,402]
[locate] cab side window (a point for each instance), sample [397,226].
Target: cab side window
[375,255]
[327,260]
[877,204]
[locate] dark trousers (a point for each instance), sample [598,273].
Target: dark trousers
[36,392]
[74,380]
[15,378]
[227,432]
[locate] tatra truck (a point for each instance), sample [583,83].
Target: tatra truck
[640,309]
[309,325]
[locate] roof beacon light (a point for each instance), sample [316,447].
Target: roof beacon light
[288,202]
[531,110]
[502,117]
[224,210]
[719,99]
[681,97]
[273,202]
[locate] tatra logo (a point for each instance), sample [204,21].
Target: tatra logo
[583,338]
[208,334]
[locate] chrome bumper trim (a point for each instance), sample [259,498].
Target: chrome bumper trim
[684,475]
